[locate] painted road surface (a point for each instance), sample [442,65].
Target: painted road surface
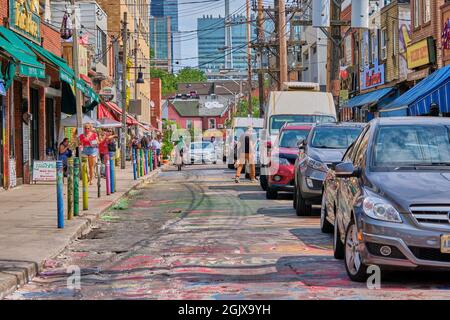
[196,234]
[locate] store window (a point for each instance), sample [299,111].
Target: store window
[383,44]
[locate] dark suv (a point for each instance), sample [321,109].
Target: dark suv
[325,145]
[393,197]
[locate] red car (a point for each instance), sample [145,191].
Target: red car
[283,156]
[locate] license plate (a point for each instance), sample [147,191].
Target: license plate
[445,244]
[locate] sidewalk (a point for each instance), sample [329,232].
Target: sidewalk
[28,225]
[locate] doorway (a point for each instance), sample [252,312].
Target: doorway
[50,133]
[2,136]
[34,109]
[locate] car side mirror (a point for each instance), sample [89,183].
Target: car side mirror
[301,144]
[346,170]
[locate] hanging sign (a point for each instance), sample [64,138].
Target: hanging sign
[24,18]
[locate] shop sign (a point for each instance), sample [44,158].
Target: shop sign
[107,93]
[44,171]
[421,53]
[24,18]
[83,60]
[372,77]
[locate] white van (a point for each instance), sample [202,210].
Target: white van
[298,102]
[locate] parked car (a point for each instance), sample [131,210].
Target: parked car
[202,152]
[326,144]
[393,204]
[283,155]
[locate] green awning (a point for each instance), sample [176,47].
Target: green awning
[65,72]
[27,60]
[87,90]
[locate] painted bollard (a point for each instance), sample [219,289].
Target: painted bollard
[138,165]
[133,155]
[112,168]
[84,175]
[107,174]
[155,159]
[141,162]
[150,159]
[60,193]
[146,161]
[76,187]
[70,187]
[99,178]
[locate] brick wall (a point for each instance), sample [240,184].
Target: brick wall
[51,39]
[445,16]
[4,7]
[430,29]
[156,97]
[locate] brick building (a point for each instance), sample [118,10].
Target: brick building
[445,33]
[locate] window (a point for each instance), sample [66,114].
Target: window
[374,47]
[211,123]
[102,50]
[416,13]
[189,124]
[383,44]
[395,42]
[426,11]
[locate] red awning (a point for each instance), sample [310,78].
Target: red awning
[103,112]
[113,107]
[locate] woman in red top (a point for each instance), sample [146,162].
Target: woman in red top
[89,143]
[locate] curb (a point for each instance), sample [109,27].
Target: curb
[14,274]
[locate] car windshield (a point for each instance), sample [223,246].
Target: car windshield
[418,145]
[334,137]
[290,138]
[201,145]
[276,122]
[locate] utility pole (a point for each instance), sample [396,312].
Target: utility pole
[261,39]
[76,69]
[282,42]
[334,52]
[123,140]
[249,61]
[135,69]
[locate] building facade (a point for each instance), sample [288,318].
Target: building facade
[161,43]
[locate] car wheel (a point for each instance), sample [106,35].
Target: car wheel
[302,208]
[294,202]
[338,246]
[325,225]
[356,269]
[263,182]
[271,194]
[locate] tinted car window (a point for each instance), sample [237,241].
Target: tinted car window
[290,138]
[334,137]
[276,122]
[412,145]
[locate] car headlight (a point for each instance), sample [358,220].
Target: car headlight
[316,165]
[380,209]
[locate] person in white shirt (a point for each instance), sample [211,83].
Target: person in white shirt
[156,145]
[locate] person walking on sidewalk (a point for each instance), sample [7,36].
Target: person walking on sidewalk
[246,151]
[180,147]
[64,153]
[89,142]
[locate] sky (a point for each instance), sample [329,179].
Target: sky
[188,14]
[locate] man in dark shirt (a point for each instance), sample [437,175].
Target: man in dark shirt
[246,151]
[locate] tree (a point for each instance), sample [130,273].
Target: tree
[242,108]
[168,80]
[191,75]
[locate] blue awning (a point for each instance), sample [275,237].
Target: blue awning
[368,98]
[434,88]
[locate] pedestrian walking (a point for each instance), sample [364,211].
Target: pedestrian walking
[246,152]
[89,142]
[156,145]
[180,149]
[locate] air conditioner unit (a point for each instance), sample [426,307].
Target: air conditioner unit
[220,126]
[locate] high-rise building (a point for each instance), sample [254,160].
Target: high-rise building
[166,8]
[161,42]
[212,49]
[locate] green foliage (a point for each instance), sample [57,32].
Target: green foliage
[191,75]
[170,81]
[242,108]
[167,145]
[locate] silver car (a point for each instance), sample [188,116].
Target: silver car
[202,152]
[392,203]
[326,144]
